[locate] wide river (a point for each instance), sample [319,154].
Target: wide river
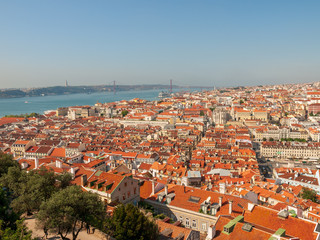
[12,106]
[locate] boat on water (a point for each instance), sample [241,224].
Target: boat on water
[26,102]
[164,94]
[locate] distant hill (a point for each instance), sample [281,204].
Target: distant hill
[61,90]
[12,93]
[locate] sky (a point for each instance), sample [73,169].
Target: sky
[207,42]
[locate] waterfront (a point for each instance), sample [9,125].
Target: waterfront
[23,105]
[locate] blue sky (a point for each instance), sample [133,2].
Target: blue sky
[206,42]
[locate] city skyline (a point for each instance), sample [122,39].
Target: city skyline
[209,43]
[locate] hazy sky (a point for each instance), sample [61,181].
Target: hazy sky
[198,42]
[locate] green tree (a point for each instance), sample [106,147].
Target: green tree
[128,223]
[6,161]
[26,115]
[19,233]
[69,210]
[11,228]
[7,216]
[309,194]
[124,113]
[201,113]
[31,189]
[63,180]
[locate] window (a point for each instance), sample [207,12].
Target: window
[181,219]
[187,222]
[125,184]
[194,223]
[204,226]
[124,197]
[134,190]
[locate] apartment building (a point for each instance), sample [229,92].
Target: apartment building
[19,147]
[112,188]
[290,149]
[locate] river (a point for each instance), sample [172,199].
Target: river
[14,106]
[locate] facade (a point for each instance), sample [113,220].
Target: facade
[74,149]
[290,150]
[220,116]
[38,152]
[276,133]
[308,179]
[314,108]
[112,188]
[19,147]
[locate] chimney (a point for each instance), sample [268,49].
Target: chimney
[73,172]
[220,201]
[214,211]
[166,189]
[84,180]
[153,187]
[24,165]
[230,206]
[211,232]
[222,188]
[36,163]
[58,164]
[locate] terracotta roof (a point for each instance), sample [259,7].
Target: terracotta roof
[269,218]
[58,152]
[183,194]
[175,231]
[145,166]
[238,233]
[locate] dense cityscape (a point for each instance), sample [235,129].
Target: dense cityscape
[159,120]
[227,163]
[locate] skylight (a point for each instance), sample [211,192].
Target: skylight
[194,199]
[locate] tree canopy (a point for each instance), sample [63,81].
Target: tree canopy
[29,190]
[68,210]
[7,216]
[26,115]
[309,194]
[6,161]
[20,232]
[11,228]
[124,113]
[128,223]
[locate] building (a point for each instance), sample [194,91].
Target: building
[290,149]
[195,208]
[19,147]
[220,116]
[112,188]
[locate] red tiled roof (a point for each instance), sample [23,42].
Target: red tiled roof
[269,218]
[58,152]
[176,230]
